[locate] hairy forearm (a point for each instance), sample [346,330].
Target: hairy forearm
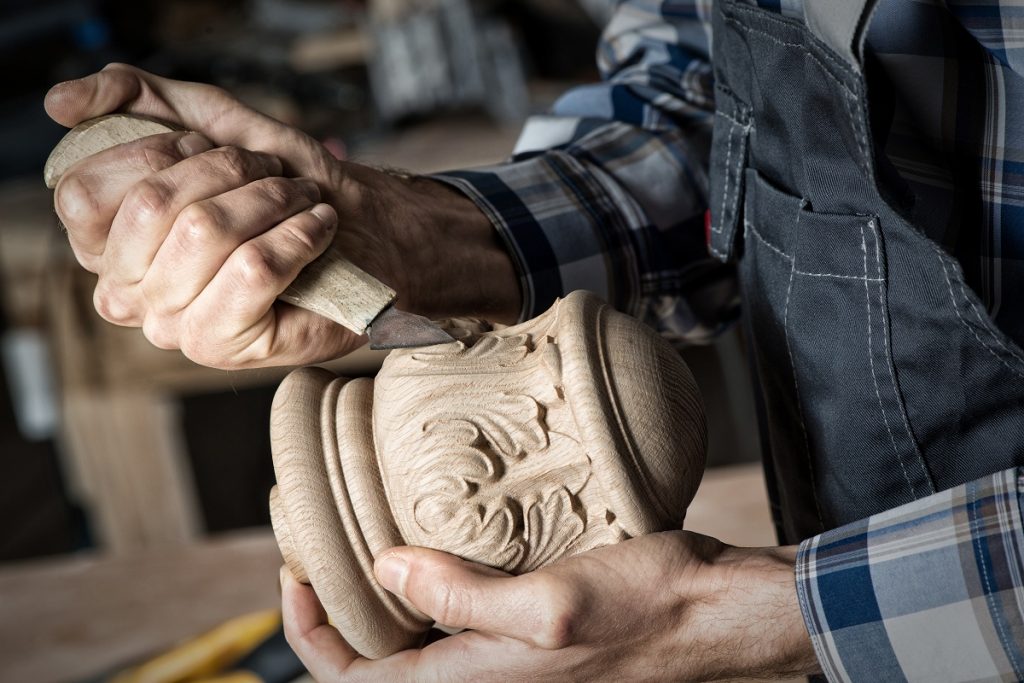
[751,616]
[442,254]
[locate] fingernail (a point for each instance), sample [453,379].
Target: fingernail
[392,571]
[309,186]
[325,214]
[193,144]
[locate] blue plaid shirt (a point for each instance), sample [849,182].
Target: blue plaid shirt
[609,193]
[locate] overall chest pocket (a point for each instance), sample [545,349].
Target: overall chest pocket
[815,288]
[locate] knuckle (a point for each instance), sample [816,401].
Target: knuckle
[234,163]
[256,270]
[75,203]
[160,332]
[199,225]
[194,346]
[563,606]
[305,242]
[444,603]
[146,202]
[111,305]
[155,159]
[208,91]
[447,604]
[158,300]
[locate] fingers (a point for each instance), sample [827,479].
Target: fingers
[71,102]
[234,322]
[121,87]
[194,106]
[318,644]
[539,609]
[90,194]
[180,250]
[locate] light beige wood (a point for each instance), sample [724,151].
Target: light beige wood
[339,290]
[96,135]
[512,446]
[331,286]
[120,435]
[77,617]
[97,359]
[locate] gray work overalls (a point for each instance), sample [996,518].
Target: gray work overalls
[881,378]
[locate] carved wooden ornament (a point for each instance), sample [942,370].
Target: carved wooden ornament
[513,447]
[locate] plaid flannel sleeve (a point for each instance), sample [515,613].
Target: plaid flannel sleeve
[929,591]
[608,192]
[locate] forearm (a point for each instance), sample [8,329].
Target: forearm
[439,251]
[750,616]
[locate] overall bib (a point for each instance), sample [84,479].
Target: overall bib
[881,378]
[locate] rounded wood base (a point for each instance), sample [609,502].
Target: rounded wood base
[513,447]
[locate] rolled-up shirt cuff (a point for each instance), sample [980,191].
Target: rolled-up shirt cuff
[930,591]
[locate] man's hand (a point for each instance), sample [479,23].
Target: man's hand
[665,607]
[195,234]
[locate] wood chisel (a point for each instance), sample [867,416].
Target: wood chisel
[331,286]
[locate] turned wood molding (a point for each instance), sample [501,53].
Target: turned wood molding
[512,446]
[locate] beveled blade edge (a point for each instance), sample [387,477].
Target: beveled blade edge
[395,329]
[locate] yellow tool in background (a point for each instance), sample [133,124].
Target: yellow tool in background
[210,656]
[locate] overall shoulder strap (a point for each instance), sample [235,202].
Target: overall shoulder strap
[841,24]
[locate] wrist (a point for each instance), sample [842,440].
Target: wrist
[437,249]
[753,606]
[465,269]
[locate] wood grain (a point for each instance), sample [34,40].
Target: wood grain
[512,447]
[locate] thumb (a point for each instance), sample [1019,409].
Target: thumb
[534,608]
[125,88]
[112,89]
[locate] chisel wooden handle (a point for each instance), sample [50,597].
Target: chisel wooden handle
[331,286]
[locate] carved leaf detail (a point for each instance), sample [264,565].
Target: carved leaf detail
[503,493]
[513,428]
[503,482]
[552,524]
[517,536]
[488,351]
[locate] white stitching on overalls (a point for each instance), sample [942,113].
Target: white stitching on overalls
[852,98]
[773,18]
[871,361]
[840,277]
[873,224]
[733,119]
[802,47]
[725,188]
[796,383]
[956,309]
[753,231]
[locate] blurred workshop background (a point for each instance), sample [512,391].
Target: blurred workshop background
[133,483]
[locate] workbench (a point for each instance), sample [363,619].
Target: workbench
[72,618]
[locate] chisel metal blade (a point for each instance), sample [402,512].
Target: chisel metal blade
[395,329]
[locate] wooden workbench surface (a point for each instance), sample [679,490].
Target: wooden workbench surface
[69,619]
